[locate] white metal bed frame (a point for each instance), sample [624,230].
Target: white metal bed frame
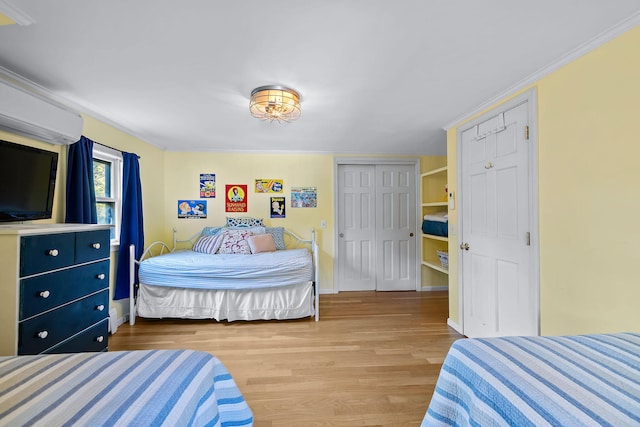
[158,248]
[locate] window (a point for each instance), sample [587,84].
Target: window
[107,180]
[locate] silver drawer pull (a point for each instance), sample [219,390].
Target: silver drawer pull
[43,334]
[100,276]
[100,307]
[100,338]
[53,252]
[45,294]
[96,246]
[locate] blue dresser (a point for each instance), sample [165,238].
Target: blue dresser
[54,288]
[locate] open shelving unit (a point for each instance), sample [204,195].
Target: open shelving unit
[433,199]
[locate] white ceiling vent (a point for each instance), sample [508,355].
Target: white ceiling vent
[26,113]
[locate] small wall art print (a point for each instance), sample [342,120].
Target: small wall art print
[207,185]
[192,209]
[236,198]
[277,207]
[268,186]
[304,197]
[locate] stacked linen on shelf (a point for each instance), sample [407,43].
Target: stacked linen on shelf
[436,224]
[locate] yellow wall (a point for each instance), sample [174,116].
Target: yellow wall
[181,181]
[589,193]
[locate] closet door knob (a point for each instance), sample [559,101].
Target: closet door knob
[464,246]
[43,334]
[341,234]
[53,252]
[100,276]
[96,246]
[45,294]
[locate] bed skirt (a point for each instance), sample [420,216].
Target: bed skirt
[277,303]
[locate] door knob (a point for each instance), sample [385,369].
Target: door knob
[341,234]
[464,246]
[410,234]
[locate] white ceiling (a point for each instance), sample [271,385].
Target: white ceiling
[375,76]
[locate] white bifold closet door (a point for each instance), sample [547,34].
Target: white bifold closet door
[376,227]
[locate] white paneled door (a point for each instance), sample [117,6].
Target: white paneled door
[376,227]
[499,297]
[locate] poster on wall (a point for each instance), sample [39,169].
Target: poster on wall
[235,198]
[268,186]
[304,197]
[192,209]
[277,207]
[207,185]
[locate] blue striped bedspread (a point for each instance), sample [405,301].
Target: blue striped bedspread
[135,388]
[585,380]
[189,269]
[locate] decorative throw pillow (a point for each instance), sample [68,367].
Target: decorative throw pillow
[261,243]
[252,230]
[244,222]
[208,244]
[278,236]
[235,242]
[211,231]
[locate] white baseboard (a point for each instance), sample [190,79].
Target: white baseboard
[434,288]
[454,325]
[113,328]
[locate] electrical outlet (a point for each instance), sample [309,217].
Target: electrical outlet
[323,223]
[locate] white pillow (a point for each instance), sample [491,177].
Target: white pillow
[235,242]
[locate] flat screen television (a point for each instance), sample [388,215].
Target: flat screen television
[27,182]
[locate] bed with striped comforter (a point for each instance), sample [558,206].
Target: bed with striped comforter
[586,380]
[143,388]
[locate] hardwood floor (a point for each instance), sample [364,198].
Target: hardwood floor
[371,360]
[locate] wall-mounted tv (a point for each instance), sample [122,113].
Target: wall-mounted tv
[27,182]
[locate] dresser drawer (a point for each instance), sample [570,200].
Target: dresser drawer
[46,252]
[94,338]
[92,245]
[42,293]
[48,329]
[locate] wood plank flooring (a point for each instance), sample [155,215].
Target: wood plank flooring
[371,360]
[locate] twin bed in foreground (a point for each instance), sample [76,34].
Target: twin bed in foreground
[586,380]
[142,388]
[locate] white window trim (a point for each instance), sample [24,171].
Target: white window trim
[114,157]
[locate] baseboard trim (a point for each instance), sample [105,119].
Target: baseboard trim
[454,325]
[434,288]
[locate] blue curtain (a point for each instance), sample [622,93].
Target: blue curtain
[81,194]
[131,231]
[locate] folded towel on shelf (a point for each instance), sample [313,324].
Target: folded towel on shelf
[438,216]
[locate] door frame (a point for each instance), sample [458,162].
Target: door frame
[372,161]
[529,96]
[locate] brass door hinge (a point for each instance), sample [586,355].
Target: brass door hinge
[526,132]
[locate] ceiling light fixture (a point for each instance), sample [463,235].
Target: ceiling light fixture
[275,103]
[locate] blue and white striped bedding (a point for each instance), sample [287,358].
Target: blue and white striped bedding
[587,380]
[144,388]
[188,269]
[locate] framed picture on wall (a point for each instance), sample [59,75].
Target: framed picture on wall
[207,185]
[192,209]
[304,197]
[236,198]
[277,207]
[268,186]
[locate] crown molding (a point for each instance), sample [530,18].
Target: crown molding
[35,87]
[571,56]
[15,14]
